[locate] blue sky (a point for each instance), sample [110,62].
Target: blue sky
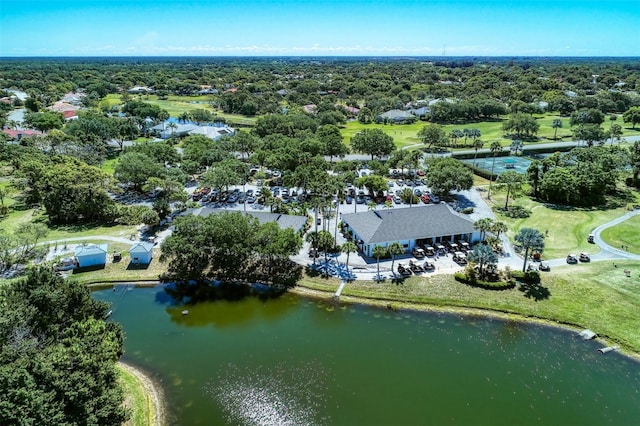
[319,28]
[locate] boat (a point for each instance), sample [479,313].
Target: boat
[185,312]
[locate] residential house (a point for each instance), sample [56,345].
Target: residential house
[432,224]
[396,116]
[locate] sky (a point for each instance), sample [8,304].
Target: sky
[319,28]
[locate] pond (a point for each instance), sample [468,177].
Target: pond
[290,360]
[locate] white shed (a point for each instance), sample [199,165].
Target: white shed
[91,255]
[141,253]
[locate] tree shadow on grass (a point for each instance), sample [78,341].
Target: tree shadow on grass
[534,291]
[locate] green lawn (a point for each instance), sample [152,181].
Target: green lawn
[406,134]
[597,296]
[137,399]
[568,227]
[626,233]
[177,105]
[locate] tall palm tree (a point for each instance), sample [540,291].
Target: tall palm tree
[348,247]
[173,126]
[395,249]
[512,182]
[477,144]
[313,237]
[378,252]
[483,225]
[530,239]
[498,228]
[495,149]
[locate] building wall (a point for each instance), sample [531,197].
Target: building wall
[92,260]
[142,257]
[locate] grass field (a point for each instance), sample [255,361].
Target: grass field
[406,134]
[626,233]
[122,272]
[597,296]
[568,228]
[137,399]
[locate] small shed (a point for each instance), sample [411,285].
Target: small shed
[141,253]
[91,255]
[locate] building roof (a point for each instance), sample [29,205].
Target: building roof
[17,134]
[91,249]
[142,247]
[381,226]
[283,220]
[397,114]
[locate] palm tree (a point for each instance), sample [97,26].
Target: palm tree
[313,237]
[348,247]
[499,228]
[495,149]
[325,243]
[512,182]
[530,239]
[557,124]
[173,126]
[477,144]
[372,205]
[378,252]
[483,225]
[516,146]
[483,255]
[395,249]
[455,135]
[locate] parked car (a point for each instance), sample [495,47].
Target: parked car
[434,198]
[425,199]
[572,259]
[544,266]
[348,199]
[397,200]
[251,199]
[584,257]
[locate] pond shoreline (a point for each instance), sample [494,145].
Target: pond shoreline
[392,304]
[154,392]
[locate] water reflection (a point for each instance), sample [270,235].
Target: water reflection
[224,304]
[284,394]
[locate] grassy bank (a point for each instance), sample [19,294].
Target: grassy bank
[140,400]
[598,296]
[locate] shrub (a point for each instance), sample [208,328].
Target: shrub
[532,277]
[467,210]
[471,281]
[515,212]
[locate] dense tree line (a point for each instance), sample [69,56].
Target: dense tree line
[581,177]
[479,89]
[231,246]
[58,355]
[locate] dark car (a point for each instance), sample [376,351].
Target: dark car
[348,199]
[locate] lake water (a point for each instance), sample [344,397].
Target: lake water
[297,361]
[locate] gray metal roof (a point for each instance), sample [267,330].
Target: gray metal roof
[381,226]
[91,249]
[283,220]
[141,247]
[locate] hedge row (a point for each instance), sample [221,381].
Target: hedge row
[487,285]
